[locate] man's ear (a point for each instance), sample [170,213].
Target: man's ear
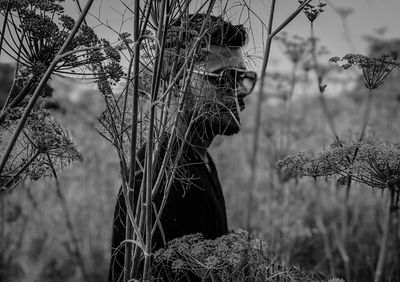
[73,100]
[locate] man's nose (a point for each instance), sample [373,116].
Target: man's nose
[241,89]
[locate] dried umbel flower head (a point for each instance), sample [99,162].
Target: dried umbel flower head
[37,30]
[306,164]
[375,70]
[47,136]
[313,11]
[376,165]
[236,256]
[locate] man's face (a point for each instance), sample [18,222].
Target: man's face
[218,91]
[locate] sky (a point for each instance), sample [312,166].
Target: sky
[367,17]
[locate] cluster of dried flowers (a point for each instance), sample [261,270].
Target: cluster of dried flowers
[313,11]
[43,146]
[35,32]
[233,257]
[38,29]
[376,165]
[375,70]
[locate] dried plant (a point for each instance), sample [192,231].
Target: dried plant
[233,257]
[42,138]
[312,11]
[375,70]
[37,31]
[376,165]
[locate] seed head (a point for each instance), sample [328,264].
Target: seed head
[312,11]
[375,70]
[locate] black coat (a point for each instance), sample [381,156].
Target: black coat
[195,205]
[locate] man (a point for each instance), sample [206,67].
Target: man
[215,96]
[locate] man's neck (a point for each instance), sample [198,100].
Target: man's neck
[200,143]
[197,140]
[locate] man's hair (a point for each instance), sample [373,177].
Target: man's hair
[185,31]
[217,31]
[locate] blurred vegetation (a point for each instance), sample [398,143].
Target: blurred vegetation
[300,218]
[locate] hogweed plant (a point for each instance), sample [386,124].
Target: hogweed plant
[374,70]
[236,256]
[312,10]
[43,41]
[374,165]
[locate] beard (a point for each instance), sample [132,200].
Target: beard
[222,123]
[227,124]
[216,111]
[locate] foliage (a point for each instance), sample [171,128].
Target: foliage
[38,29]
[235,256]
[36,32]
[376,165]
[300,220]
[375,70]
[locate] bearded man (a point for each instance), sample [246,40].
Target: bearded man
[215,96]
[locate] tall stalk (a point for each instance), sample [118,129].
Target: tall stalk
[321,87]
[3,28]
[342,236]
[130,193]
[289,97]
[257,121]
[385,238]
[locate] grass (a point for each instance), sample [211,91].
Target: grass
[300,220]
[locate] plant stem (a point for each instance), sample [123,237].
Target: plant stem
[367,114]
[384,241]
[321,88]
[325,238]
[257,122]
[289,96]
[128,267]
[3,29]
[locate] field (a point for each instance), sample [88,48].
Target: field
[56,222]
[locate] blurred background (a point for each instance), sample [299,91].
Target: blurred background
[55,233]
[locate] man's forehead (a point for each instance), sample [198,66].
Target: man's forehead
[222,57]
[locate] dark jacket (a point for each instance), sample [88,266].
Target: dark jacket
[195,205]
